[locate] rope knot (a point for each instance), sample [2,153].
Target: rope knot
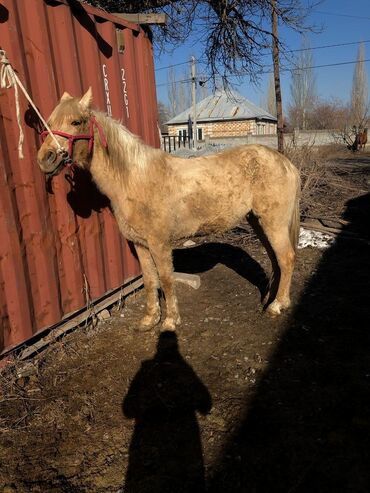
[6,73]
[8,78]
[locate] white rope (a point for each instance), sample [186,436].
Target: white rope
[8,78]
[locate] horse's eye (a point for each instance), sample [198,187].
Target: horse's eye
[76,123]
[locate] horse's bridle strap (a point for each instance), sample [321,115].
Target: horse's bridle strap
[72,138]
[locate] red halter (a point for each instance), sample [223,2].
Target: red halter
[72,138]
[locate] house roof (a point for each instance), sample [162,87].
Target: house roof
[223,106]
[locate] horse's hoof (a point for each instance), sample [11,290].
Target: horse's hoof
[148,322]
[170,324]
[284,305]
[274,309]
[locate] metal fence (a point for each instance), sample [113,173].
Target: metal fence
[171,143]
[61,250]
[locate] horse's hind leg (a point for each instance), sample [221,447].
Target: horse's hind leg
[162,255]
[282,258]
[151,284]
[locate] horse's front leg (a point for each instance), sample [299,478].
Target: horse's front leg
[162,255]
[151,284]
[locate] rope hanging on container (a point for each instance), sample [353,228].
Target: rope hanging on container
[8,79]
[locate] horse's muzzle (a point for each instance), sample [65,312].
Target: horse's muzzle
[51,162]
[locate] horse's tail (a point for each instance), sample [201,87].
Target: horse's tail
[295,219]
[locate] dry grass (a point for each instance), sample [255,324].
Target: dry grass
[325,187]
[22,381]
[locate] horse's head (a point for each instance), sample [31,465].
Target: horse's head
[72,125]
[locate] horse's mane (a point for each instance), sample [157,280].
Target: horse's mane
[127,152]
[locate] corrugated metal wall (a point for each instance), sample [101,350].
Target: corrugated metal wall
[55,247]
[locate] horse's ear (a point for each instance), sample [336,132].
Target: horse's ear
[86,99]
[66,96]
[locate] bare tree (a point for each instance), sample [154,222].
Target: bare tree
[234,34]
[172,88]
[359,95]
[268,101]
[328,115]
[179,91]
[302,87]
[271,97]
[184,94]
[163,116]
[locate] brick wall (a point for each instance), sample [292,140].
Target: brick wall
[228,128]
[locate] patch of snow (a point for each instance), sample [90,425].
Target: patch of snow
[316,239]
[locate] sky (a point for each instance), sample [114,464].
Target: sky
[344,23]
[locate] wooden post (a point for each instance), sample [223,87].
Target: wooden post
[275,58]
[194,98]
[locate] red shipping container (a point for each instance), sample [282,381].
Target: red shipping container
[59,251]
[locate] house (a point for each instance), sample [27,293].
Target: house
[224,114]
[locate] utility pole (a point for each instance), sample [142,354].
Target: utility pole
[275,58]
[194,98]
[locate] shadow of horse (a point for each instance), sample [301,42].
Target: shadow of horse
[84,197]
[204,257]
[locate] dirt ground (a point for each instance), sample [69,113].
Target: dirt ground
[236,401]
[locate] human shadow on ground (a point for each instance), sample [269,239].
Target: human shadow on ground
[165,453]
[206,256]
[307,428]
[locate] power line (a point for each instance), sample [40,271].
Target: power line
[174,65]
[321,66]
[336,45]
[177,81]
[328,46]
[287,69]
[341,15]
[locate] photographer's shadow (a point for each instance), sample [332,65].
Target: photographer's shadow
[165,453]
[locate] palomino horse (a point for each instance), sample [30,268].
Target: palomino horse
[158,198]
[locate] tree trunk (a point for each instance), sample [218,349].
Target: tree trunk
[275,58]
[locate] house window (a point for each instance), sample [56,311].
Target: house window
[183,134]
[200,134]
[261,128]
